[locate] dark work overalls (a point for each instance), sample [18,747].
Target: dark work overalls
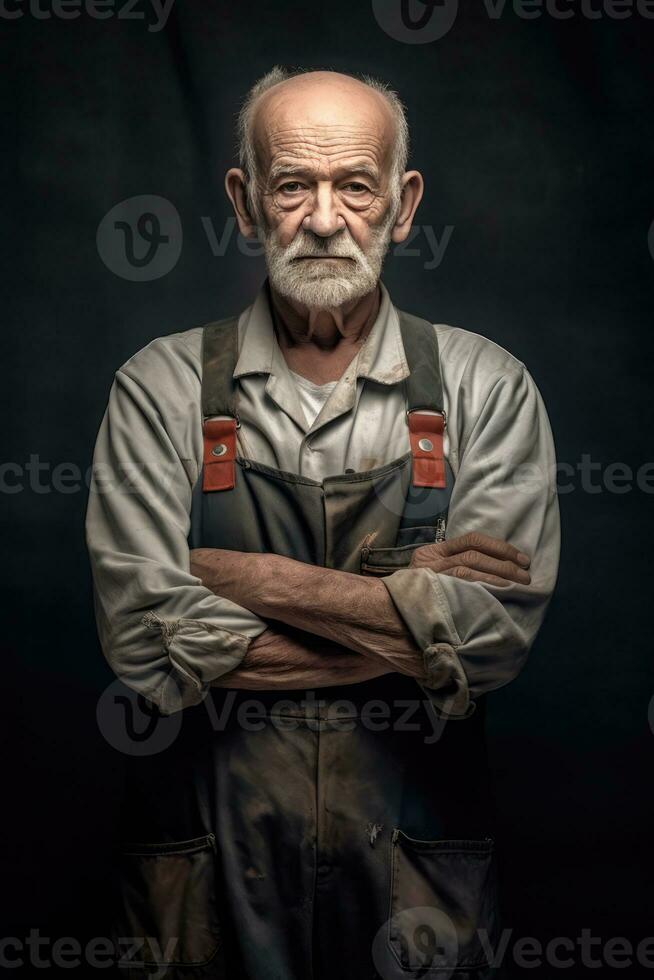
[342,833]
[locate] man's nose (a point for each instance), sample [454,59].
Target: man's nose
[324,219]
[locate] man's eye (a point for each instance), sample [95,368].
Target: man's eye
[291,187]
[355,187]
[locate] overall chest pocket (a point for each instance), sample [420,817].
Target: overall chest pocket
[385,561]
[167,917]
[443,904]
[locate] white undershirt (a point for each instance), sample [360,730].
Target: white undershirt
[312,396]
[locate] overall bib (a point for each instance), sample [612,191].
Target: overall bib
[342,833]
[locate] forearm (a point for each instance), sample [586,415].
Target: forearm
[350,610]
[287,659]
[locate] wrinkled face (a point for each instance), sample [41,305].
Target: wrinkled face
[326,203]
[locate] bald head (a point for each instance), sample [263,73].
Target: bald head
[321,99]
[281,104]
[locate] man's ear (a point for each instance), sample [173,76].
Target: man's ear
[412,190]
[235,187]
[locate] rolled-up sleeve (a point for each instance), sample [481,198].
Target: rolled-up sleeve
[164,634]
[475,636]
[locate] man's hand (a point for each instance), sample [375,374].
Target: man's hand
[475,557]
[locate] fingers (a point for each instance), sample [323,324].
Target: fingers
[480,562]
[431,556]
[494,547]
[472,575]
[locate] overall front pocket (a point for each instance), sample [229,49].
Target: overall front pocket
[443,904]
[167,915]
[385,561]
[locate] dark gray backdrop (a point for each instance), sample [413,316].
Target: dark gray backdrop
[535,138]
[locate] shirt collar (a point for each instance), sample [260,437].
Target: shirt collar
[381,358]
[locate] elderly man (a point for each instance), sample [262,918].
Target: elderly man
[340,533]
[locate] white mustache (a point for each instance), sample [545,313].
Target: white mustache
[306,245]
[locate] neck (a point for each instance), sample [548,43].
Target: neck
[324,329]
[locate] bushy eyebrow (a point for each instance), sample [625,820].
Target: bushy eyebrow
[360,168]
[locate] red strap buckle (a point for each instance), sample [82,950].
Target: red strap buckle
[426,438]
[219,454]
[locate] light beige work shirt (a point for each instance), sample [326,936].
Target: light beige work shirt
[169,637]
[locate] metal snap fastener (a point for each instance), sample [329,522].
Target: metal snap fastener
[219,450]
[426,445]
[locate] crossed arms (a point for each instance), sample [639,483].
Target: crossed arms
[173,626]
[328,627]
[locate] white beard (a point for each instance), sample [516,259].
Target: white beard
[320,285]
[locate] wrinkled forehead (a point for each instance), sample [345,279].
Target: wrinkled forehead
[323,126]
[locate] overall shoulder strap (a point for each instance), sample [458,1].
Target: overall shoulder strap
[424,396]
[219,356]
[424,384]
